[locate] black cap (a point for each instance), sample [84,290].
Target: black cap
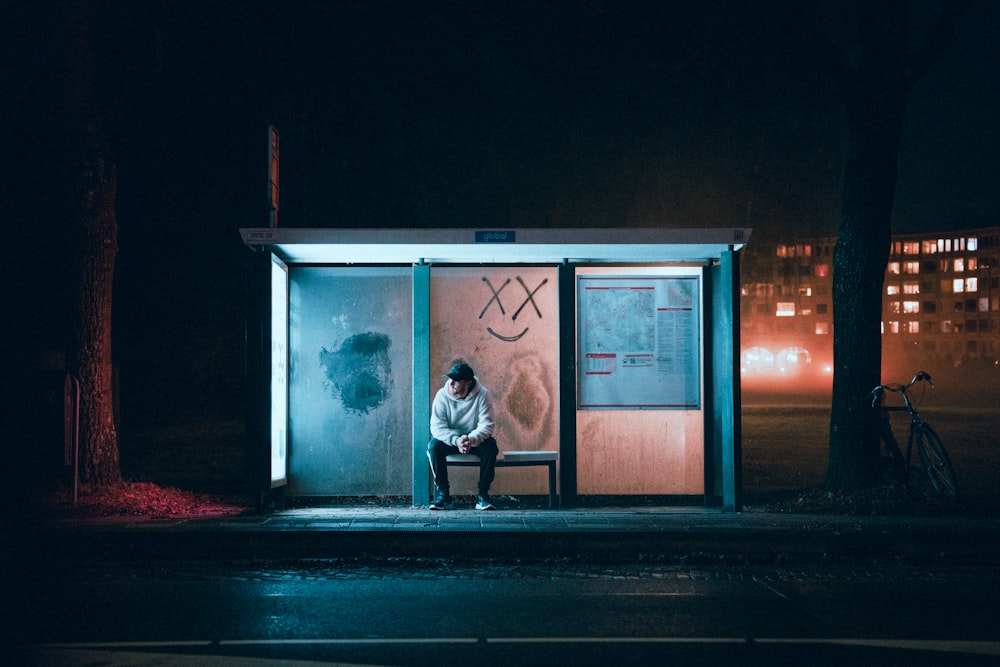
[460,372]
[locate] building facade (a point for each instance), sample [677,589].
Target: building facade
[940,305]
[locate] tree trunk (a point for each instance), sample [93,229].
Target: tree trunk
[875,100]
[89,171]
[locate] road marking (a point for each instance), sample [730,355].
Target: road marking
[977,647]
[365,640]
[616,640]
[145,644]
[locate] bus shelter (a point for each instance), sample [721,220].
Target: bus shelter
[615,349]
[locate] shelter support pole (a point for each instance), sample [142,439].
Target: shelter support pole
[567,385]
[421,382]
[725,404]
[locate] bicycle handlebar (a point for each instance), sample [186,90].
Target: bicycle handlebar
[896,386]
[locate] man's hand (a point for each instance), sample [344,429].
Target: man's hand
[464,444]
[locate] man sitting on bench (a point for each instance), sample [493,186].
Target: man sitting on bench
[462,423]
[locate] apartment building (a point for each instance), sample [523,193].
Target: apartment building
[940,305]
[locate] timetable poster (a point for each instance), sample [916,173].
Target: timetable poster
[639,342]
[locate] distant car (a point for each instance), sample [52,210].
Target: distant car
[792,360]
[757,361]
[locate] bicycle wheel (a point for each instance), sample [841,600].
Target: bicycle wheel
[935,460]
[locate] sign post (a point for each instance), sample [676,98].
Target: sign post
[272,175]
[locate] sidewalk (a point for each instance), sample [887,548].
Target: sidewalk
[618,533]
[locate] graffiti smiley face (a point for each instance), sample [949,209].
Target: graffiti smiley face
[497,299]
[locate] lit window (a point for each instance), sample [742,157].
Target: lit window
[929,247]
[911,247]
[959,265]
[785,309]
[984,305]
[957,285]
[971,284]
[911,306]
[822,328]
[892,289]
[894,307]
[805,291]
[822,270]
[970,264]
[911,288]
[894,268]
[911,267]
[894,327]
[913,327]
[972,244]
[945,326]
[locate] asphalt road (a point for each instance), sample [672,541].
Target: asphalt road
[443,612]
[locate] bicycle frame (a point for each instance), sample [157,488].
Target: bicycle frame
[914,422]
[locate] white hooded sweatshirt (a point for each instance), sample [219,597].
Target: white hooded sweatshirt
[454,417]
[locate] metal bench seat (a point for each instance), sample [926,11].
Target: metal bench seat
[517,459]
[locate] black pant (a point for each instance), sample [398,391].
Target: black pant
[437,454]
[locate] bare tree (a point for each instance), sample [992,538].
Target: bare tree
[88,174]
[873,86]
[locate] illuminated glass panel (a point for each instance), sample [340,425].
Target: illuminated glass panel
[913,327]
[822,328]
[911,306]
[911,288]
[929,247]
[959,265]
[972,244]
[971,284]
[958,285]
[785,309]
[892,289]
[350,330]
[911,267]
[822,270]
[279,373]
[911,247]
[894,268]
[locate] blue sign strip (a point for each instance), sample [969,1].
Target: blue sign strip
[495,237]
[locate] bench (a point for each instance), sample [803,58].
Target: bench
[515,460]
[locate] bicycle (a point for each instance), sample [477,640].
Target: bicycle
[932,453]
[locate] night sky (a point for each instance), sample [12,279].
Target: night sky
[459,114]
